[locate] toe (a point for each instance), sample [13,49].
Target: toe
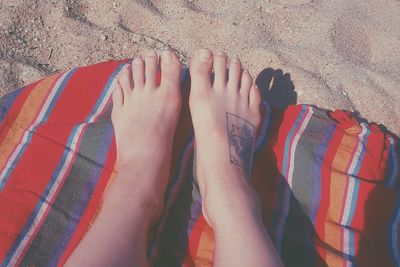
[255,99]
[235,73]
[200,69]
[151,59]
[117,96]
[125,80]
[138,72]
[220,70]
[245,83]
[170,70]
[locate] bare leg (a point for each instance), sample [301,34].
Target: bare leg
[144,116]
[226,115]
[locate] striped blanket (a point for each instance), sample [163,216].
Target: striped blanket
[329,185]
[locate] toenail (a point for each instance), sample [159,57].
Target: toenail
[166,56]
[220,53]
[136,61]
[236,59]
[151,53]
[204,55]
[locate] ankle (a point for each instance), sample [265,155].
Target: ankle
[223,204]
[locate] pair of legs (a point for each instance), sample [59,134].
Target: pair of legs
[226,116]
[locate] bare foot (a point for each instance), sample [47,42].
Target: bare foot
[226,115]
[144,116]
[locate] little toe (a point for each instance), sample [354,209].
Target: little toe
[151,60]
[220,63]
[235,73]
[246,83]
[138,72]
[125,80]
[117,96]
[170,70]
[200,69]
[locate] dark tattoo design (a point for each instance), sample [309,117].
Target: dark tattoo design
[241,135]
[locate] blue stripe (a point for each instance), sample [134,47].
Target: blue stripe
[277,222]
[40,203]
[390,166]
[316,171]
[262,138]
[58,169]
[30,135]
[285,213]
[355,173]
[6,102]
[57,96]
[289,139]
[168,192]
[81,205]
[394,235]
[393,165]
[174,178]
[92,182]
[105,91]
[184,76]
[364,141]
[350,219]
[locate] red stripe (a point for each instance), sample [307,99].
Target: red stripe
[92,207]
[33,172]
[15,109]
[194,240]
[37,111]
[284,127]
[54,197]
[326,170]
[289,118]
[375,207]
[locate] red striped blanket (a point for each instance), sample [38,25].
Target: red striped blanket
[329,185]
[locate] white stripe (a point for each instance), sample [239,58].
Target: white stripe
[350,191]
[45,205]
[38,120]
[102,104]
[59,179]
[294,144]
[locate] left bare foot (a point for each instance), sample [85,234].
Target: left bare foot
[145,114]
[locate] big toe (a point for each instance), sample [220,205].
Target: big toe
[200,69]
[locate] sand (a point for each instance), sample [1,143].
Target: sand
[336,54]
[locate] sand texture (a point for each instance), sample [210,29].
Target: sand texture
[337,54]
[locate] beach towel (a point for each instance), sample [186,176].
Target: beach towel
[328,184]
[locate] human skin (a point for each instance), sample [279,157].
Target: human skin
[226,116]
[144,117]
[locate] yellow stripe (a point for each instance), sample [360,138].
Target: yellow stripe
[333,230]
[25,118]
[205,251]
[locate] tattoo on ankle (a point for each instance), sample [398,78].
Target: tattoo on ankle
[241,135]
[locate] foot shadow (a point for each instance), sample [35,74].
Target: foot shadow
[276,88]
[297,239]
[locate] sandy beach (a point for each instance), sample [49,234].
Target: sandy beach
[334,54]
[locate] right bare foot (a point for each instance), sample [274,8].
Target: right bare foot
[225,115]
